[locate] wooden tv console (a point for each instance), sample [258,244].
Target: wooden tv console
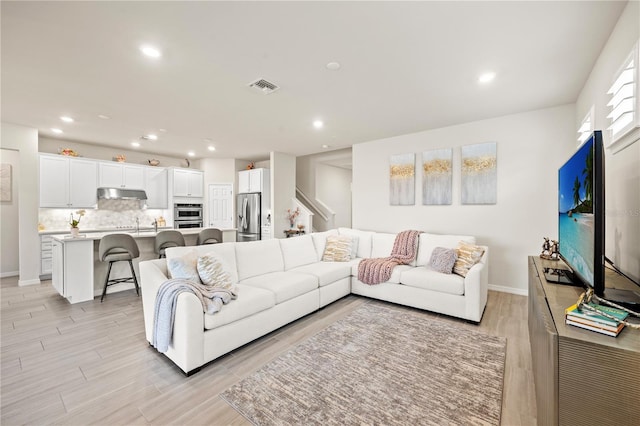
[581,377]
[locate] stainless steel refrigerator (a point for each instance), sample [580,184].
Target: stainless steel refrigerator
[249,214]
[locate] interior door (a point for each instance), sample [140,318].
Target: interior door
[220,205]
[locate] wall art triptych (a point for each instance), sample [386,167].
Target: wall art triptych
[479,176]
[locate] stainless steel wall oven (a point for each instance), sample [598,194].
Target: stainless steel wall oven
[187,216]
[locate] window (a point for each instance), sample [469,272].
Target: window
[586,127]
[624,102]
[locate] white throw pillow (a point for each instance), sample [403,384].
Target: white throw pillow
[184,267]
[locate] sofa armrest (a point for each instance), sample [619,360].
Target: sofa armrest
[186,349]
[476,288]
[152,274]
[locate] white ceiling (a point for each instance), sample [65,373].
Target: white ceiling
[405,67]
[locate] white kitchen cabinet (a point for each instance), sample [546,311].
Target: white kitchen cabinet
[67,182]
[156,186]
[118,175]
[188,183]
[46,255]
[72,268]
[252,180]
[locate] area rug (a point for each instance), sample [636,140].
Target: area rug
[379,365]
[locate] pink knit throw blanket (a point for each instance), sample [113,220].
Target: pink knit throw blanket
[378,270]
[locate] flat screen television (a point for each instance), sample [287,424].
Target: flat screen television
[581,224]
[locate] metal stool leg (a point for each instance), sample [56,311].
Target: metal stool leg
[106,282]
[133,274]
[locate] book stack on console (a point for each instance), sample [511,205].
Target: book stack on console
[590,320]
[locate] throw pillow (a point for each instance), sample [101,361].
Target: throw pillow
[468,255]
[212,271]
[354,246]
[338,248]
[184,267]
[443,259]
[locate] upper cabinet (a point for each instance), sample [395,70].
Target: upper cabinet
[252,180]
[156,186]
[117,175]
[188,183]
[67,182]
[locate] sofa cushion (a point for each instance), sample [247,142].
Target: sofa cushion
[338,248]
[427,242]
[226,251]
[285,285]
[468,255]
[298,251]
[443,259]
[428,279]
[326,272]
[364,240]
[251,300]
[382,244]
[258,257]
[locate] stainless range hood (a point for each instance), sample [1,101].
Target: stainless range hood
[121,194]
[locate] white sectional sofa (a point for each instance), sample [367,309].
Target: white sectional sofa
[282,280]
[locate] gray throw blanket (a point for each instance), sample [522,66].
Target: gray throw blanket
[212,299]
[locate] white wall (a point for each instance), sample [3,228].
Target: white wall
[283,190]
[531,146]
[622,169]
[25,140]
[9,218]
[333,188]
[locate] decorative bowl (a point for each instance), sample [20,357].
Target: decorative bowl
[120,158]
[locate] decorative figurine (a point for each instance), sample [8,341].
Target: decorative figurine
[549,249]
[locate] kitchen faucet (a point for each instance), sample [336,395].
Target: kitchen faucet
[155,225]
[137,224]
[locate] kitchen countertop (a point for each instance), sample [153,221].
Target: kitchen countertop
[64,236]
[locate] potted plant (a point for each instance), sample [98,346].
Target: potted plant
[75,230]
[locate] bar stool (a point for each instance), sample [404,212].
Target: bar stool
[166,239]
[209,236]
[115,248]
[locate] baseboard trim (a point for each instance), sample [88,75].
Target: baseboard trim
[9,274]
[503,289]
[34,281]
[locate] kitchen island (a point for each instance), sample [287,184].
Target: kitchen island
[78,274]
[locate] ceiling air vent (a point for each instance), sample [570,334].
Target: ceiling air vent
[264,86]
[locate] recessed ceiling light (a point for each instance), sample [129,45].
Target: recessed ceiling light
[66,119]
[211,148]
[57,131]
[191,153]
[333,66]
[104,117]
[486,77]
[150,51]
[325,146]
[163,130]
[151,137]
[318,124]
[135,144]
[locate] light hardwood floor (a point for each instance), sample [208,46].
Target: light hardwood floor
[89,363]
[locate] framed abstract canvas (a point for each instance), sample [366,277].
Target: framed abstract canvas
[437,176]
[479,174]
[402,172]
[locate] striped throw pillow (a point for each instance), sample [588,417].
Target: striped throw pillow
[338,249]
[468,255]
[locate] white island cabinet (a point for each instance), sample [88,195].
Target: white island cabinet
[72,268]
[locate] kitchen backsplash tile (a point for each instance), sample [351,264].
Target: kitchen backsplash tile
[109,214]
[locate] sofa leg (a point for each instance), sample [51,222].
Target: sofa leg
[191,372]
